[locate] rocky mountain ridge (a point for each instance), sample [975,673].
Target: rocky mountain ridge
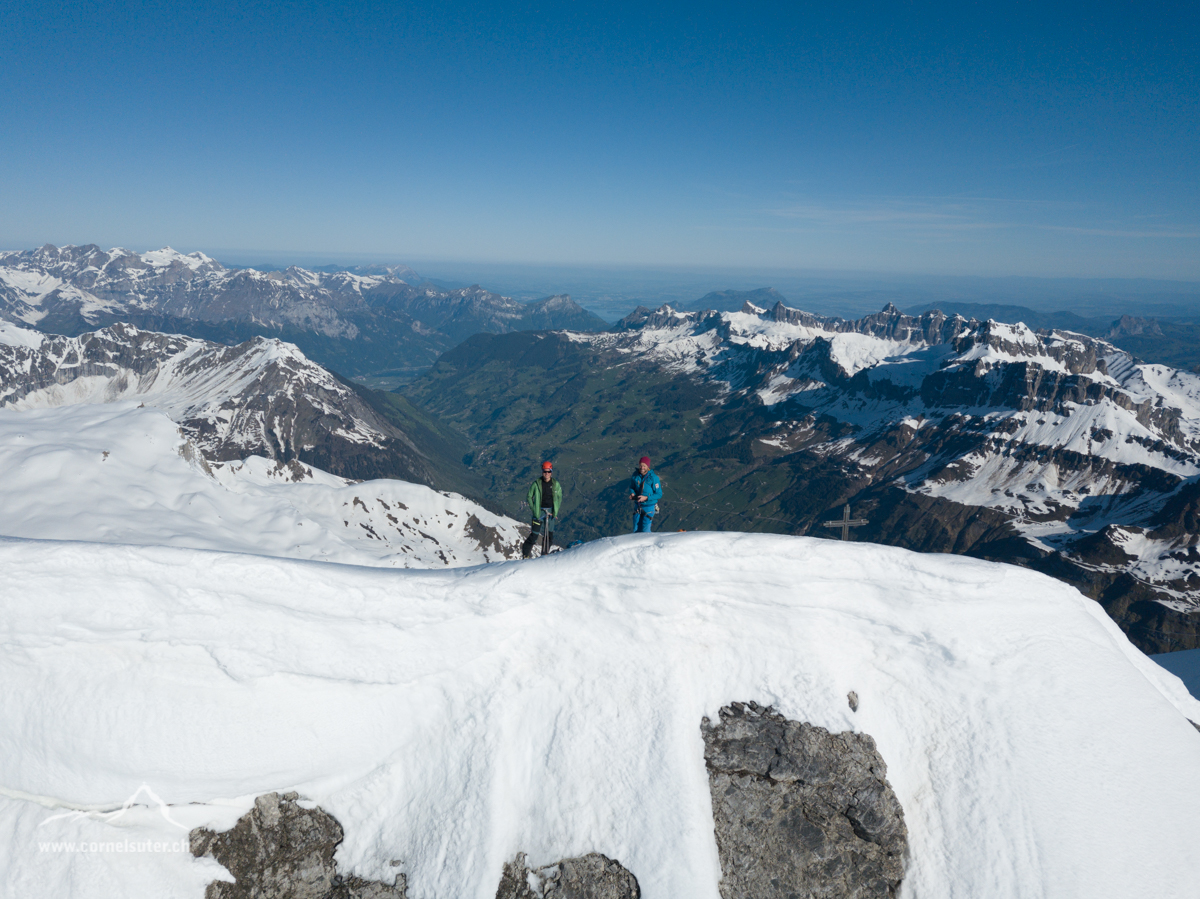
[260,398]
[734,300]
[355,321]
[1044,448]
[1162,335]
[1072,440]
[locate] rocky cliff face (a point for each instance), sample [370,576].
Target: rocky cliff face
[592,876]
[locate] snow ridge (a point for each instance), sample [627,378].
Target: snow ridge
[131,436]
[232,401]
[450,719]
[125,473]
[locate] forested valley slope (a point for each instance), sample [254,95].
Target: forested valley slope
[1048,449]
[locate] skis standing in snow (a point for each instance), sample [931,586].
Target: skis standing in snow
[544,498]
[645,489]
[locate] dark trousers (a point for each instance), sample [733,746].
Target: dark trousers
[534,535]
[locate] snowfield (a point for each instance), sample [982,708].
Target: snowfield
[121,473]
[449,719]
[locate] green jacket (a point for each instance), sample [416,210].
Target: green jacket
[534,498]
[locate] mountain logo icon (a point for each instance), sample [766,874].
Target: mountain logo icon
[142,796]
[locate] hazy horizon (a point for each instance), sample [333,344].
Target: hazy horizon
[614,290]
[1039,141]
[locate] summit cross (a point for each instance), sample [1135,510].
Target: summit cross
[845,523]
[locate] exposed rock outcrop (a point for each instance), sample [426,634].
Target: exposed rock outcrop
[592,876]
[280,850]
[263,397]
[800,812]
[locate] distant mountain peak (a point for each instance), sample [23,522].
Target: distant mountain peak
[263,397]
[390,323]
[1133,326]
[732,300]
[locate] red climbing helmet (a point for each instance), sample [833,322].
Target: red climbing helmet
[547,466]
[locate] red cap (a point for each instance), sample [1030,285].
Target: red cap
[645,460]
[547,466]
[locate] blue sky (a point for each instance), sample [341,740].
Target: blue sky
[990,139]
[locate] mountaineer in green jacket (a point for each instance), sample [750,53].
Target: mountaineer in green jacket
[544,498]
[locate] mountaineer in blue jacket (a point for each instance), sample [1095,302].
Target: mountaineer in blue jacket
[645,489]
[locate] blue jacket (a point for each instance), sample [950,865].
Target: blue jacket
[649,486]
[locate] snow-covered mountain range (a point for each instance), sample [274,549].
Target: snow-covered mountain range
[72,289]
[175,647]
[130,436]
[1066,441]
[262,397]
[1084,450]
[1046,448]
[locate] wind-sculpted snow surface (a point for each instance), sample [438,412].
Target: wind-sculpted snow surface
[1079,447]
[451,720]
[120,473]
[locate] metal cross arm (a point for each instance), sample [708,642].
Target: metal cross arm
[845,523]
